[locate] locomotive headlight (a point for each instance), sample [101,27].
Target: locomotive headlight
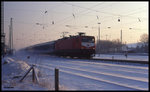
[82,47]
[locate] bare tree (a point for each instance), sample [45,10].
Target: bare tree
[106,46]
[144,43]
[144,38]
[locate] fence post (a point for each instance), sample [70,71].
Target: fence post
[56,79]
[33,75]
[26,73]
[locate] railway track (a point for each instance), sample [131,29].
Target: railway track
[113,60]
[108,60]
[105,78]
[87,74]
[103,74]
[128,61]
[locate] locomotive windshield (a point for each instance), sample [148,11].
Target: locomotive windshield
[88,39]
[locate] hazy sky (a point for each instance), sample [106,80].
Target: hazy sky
[79,16]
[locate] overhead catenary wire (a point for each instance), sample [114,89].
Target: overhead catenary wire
[84,10]
[77,15]
[82,7]
[87,10]
[81,12]
[135,10]
[29,23]
[60,22]
[119,19]
[108,13]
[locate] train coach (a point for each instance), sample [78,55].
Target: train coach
[75,46]
[42,48]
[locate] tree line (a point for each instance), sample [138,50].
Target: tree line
[115,46]
[106,46]
[143,45]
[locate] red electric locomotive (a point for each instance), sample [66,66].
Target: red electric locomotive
[75,46]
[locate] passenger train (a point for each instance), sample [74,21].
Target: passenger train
[74,46]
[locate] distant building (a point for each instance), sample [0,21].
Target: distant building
[128,49]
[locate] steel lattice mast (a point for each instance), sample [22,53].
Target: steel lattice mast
[2,30]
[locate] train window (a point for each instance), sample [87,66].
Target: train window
[77,40]
[88,39]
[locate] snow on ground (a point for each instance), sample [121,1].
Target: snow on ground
[12,72]
[80,74]
[122,56]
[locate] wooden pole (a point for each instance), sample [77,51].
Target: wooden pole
[26,73]
[56,79]
[33,75]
